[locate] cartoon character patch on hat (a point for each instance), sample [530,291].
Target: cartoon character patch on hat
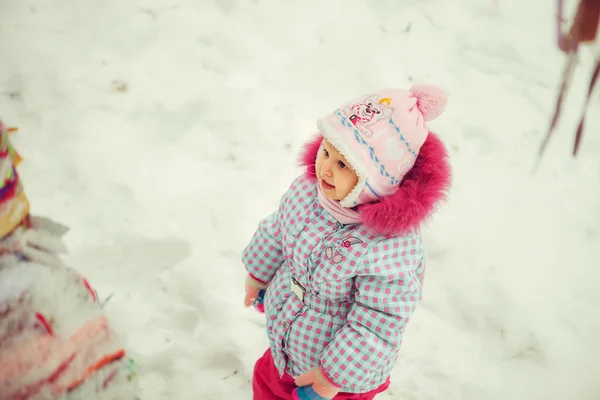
[368,112]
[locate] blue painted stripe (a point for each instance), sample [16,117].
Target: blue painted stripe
[402,138]
[372,190]
[359,138]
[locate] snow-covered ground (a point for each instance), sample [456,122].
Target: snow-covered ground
[161,131]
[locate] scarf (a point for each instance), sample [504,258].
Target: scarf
[342,214]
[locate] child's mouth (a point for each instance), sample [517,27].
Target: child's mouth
[326,185]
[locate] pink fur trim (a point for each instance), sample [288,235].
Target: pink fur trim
[423,187]
[431,100]
[308,156]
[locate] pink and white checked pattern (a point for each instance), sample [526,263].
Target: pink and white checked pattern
[357,304]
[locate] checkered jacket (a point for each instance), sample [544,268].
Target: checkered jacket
[360,290]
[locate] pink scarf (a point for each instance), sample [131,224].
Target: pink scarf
[341,214]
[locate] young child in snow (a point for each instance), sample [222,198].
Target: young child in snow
[342,257]
[55,342]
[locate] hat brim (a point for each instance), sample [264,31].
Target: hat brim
[333,136]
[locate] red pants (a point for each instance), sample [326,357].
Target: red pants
[267,385]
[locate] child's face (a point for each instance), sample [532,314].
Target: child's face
[335,176]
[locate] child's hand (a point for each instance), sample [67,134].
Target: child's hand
[313,384]
[252,288]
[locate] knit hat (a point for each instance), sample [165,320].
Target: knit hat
[14,206]
[380,135]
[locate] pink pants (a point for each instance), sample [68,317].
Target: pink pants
[267,385]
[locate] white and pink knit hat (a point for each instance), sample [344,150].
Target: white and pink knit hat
[381,135]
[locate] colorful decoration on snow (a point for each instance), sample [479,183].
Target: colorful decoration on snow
[14,205]
[47,350]
[129,369]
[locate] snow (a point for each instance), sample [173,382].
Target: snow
[161,131]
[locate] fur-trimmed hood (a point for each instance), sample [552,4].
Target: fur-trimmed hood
[420,192]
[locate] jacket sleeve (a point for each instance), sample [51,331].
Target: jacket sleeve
[388,288]
[264,254]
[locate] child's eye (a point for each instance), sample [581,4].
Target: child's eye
[326,153]
[341,164]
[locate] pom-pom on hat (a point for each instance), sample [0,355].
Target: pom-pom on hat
[380,135]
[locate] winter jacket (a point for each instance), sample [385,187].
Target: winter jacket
[340,296]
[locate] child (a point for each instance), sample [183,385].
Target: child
[55,342]
[342,257]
